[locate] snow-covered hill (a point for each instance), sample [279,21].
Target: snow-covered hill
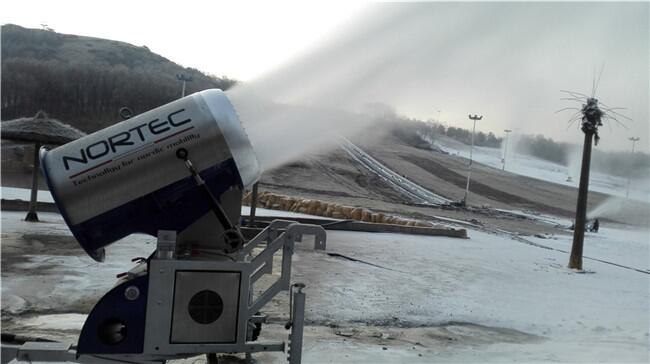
[527,165]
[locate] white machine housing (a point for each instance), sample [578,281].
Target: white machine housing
[127,178]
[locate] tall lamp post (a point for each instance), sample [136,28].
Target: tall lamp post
[633,140]
[183,78]
[505,151]
[471,149]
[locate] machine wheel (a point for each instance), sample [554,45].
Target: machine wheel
[211,358]
[257,331]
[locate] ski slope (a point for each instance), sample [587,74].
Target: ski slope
[400,183]
[537,168]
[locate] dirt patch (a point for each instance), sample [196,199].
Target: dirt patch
[476,187]
[332,174]
[35,243]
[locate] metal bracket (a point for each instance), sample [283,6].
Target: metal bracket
[53,352]
[166,245]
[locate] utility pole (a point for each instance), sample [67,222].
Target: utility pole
[251,221]
[471,149]
[634,140]
[505,151]
[33,200]
[591,116]
[438,116]
[183,78]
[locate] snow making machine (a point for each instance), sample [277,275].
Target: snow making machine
[178,173]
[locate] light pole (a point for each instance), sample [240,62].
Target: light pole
[471,149]
[183,78]
[505,151]
[633,140]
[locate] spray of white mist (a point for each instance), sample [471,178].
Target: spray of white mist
[281,132]
[623,210]
[514,146]
[506,61]
[609,208]
[574,162]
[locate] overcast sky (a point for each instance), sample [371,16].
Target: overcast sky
[507,61]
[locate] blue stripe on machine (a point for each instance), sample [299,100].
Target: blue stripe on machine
[173,207]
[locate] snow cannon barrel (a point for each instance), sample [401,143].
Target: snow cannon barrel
[127,178]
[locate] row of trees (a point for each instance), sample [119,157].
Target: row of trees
[421,134]
[431,131]
[623,164]
[618,163]
[85,95]
[84,81]
[418,133]
[545,148]
[480,138]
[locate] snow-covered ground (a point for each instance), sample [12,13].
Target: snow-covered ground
[527,165]
[14,193]
[497,283]
[421,299]
[490,298]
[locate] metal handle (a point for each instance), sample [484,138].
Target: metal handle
[232,236]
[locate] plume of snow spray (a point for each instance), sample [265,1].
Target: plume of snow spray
[389,54]
[414,57]
[611,207]
[281,133]
[574,162]
[514,147]
[622,210]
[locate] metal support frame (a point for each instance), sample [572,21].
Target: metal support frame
[280,234]
[297,324]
